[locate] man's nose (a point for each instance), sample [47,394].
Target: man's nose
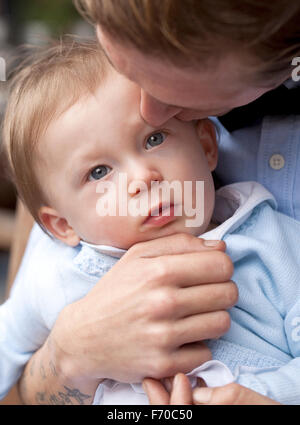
[155,112]
[142,173]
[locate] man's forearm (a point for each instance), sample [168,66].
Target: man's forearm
[41,383]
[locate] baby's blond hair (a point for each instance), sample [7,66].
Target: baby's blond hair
[50,81]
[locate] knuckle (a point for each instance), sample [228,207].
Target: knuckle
[163,367]
[166,338]
[160,335]
[166,300]
[160,270]
[185,238]
[149,310]
[135,250]
[161,303]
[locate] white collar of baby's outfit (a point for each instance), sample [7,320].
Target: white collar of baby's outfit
[234,204]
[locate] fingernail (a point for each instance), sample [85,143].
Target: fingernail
[202,395]
[211,243]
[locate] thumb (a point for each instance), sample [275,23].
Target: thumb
[180,243]
[231,394]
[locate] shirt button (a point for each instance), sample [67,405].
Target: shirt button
[276,161]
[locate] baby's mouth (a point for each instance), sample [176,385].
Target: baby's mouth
[160,215]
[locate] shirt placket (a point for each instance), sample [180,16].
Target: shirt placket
[277,159]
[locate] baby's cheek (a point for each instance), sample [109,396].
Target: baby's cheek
[111,230]
[105,229]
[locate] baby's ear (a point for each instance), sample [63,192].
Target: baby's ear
[58,226]
[207,136]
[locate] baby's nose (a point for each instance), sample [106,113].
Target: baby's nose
[142,178]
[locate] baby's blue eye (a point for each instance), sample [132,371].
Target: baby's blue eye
[155,140]
[98,172]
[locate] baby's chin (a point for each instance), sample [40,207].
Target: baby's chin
[160,233]
[125,240]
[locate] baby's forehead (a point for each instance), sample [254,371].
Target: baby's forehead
[75,131]
[65,123]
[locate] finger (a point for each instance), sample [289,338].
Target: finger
[175,244]
[205,298]
[200,327]
[231,394]
[155,391]
[182,390]
[193,268]
[188,357]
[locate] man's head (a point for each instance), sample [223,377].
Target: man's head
[72,138]
[196,58]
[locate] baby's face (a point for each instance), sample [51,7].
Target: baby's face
[100,152]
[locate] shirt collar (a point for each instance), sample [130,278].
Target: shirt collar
[291,84]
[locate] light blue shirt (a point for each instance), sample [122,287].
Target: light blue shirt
[246,154]
[262,347]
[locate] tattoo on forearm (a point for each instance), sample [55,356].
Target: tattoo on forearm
[57,400]
[42,371]
[63,398]
[75,393]
[66,396]
[52,368]
[40,398]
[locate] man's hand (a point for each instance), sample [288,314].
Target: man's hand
[147,315]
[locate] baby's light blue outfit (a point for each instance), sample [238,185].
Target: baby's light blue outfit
[261,349]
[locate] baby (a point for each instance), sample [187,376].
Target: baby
[95,177]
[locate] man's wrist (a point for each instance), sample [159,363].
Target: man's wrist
[63,364]
[57,384]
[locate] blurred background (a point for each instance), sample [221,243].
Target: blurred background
[26,22]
